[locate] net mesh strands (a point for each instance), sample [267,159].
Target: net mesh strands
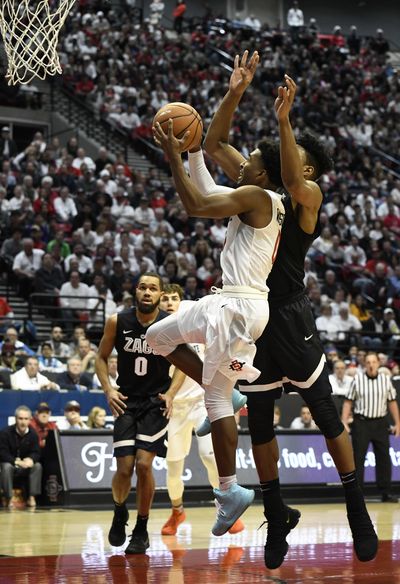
[30,35]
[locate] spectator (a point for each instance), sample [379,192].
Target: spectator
[346,324]
[277,418]
[20,348]
[391,328]
[26,263]
[304,421]
[48,280]
[252,22]
[310,276]
[97,419]
[60,242]
[129,120]
[9,363]
[19,457]
[10,249]
[126,302]
[64,206]
[326,325]
[144,214]
[47,361]
[354,252]
[41,423]
[74,298]
[156,8]
[87,236]
[192,290]
[79,332]
[72,420]
[73,378]
[8,146]
[372,395]
[117,277]
[84,262]
[295,19]
[330,285]
[29,378]
[6,314]
[378,43]
[178,15]
[340,382]
[60,350]
[81,159]
[112,364]
[86,355]
[102,160]
[354,41]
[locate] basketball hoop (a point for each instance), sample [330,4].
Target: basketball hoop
[30,34]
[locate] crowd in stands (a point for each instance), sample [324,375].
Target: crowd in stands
[81,229]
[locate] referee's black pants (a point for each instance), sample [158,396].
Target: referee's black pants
[372,430]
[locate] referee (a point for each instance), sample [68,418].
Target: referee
[372,394]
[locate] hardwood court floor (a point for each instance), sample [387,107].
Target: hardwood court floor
[70,547]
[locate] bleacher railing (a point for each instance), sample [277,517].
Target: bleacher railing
[90,315]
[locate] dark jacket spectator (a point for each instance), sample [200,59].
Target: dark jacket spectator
[73,378]
[19,456]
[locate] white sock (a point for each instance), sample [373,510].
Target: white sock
[226,483]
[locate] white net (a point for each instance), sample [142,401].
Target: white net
[30,34]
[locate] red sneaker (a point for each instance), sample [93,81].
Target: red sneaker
[171,526]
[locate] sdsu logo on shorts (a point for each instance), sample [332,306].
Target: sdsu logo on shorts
[236,365]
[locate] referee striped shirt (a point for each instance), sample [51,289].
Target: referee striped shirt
[371,395]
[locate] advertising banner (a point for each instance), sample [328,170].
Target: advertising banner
[304,459]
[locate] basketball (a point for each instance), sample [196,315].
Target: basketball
[184,118]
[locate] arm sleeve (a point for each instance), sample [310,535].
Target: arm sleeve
[201,176]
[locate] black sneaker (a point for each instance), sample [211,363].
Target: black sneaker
[276,546]
[116,535]
[365,540]
[139,543]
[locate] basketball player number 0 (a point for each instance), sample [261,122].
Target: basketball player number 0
[140,366]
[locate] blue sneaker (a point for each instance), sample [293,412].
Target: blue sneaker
[238,401]
[230,504]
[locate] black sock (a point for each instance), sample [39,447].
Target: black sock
[141,523]
[352,491]
[272,499]
[120,508]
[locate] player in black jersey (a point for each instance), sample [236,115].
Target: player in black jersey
[140,428]
[289,352]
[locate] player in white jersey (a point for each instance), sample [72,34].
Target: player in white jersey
[228,323]
[188,413]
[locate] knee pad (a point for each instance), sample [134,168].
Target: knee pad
[326,416]
[218,397]
[159,340]
[218,405]
[260,415]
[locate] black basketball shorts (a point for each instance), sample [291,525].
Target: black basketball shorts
[289,352]
[141,426]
